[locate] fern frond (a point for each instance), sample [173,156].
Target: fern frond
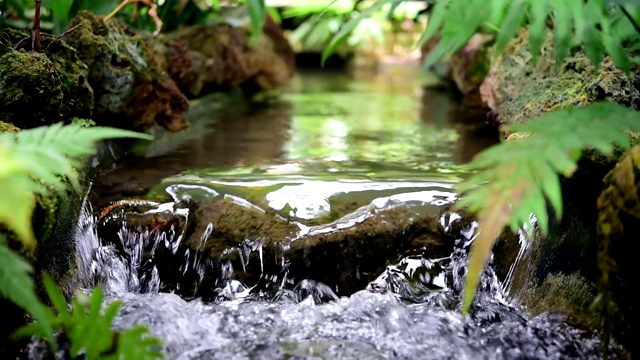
[517,178]
[35,160]
[594,22]
[89,328]
[17,286]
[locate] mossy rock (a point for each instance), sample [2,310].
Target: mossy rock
[31,92]
[130,90]
[517,90]
[39,89]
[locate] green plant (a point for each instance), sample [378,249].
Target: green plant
[516,178]
[601,27]
[89,328]
[37,162]
[56,14]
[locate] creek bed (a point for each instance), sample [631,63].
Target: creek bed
[313,226]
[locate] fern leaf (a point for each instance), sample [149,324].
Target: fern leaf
[16,206]
[138,343]
[56,297]
[592,20]
[511,24]
[16,285]
[539,12]
[516,178]
[562,30]
[436,20]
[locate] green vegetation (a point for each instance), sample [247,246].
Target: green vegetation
[41,161]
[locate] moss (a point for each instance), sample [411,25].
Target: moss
[520,91]
[6,127]
[130,90]
[31,91]
[42,88]
[570,295]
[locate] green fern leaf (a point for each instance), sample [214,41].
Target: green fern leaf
[539,12]
[589,19]
[516,177]
[436,20]
[39,158]
[16,285]
[138,343]
[562,30]
[511,24]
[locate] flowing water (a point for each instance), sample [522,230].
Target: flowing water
[314,227]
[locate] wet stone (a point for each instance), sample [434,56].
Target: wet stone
[209,244]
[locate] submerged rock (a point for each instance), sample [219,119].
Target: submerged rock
[230,239]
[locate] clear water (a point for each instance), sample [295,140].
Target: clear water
[364,162]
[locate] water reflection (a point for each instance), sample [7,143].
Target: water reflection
[382,119]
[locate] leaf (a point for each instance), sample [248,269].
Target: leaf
[511,24]
[457,20]
[562,30]
[60,9]
[257,13]
[16,285]
[346,29]
[539,12]
[517,178]
[436,19]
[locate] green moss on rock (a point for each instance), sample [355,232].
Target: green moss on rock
[130,90]
[31,91]
[519,91]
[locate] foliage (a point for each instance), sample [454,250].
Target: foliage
[89,329]
[601,27]
[620,196]
[353,23]
[56,14]
[37,162]
[515,178]
[17,286]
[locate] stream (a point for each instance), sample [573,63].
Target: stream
[313,226]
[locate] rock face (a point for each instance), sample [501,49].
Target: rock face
[38,89]
[220,57]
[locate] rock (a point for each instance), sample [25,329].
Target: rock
[31,91]
[6,127]
[220,57]
[517,91]
[130,92]
[470,65]
[42,88]
[230,239]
